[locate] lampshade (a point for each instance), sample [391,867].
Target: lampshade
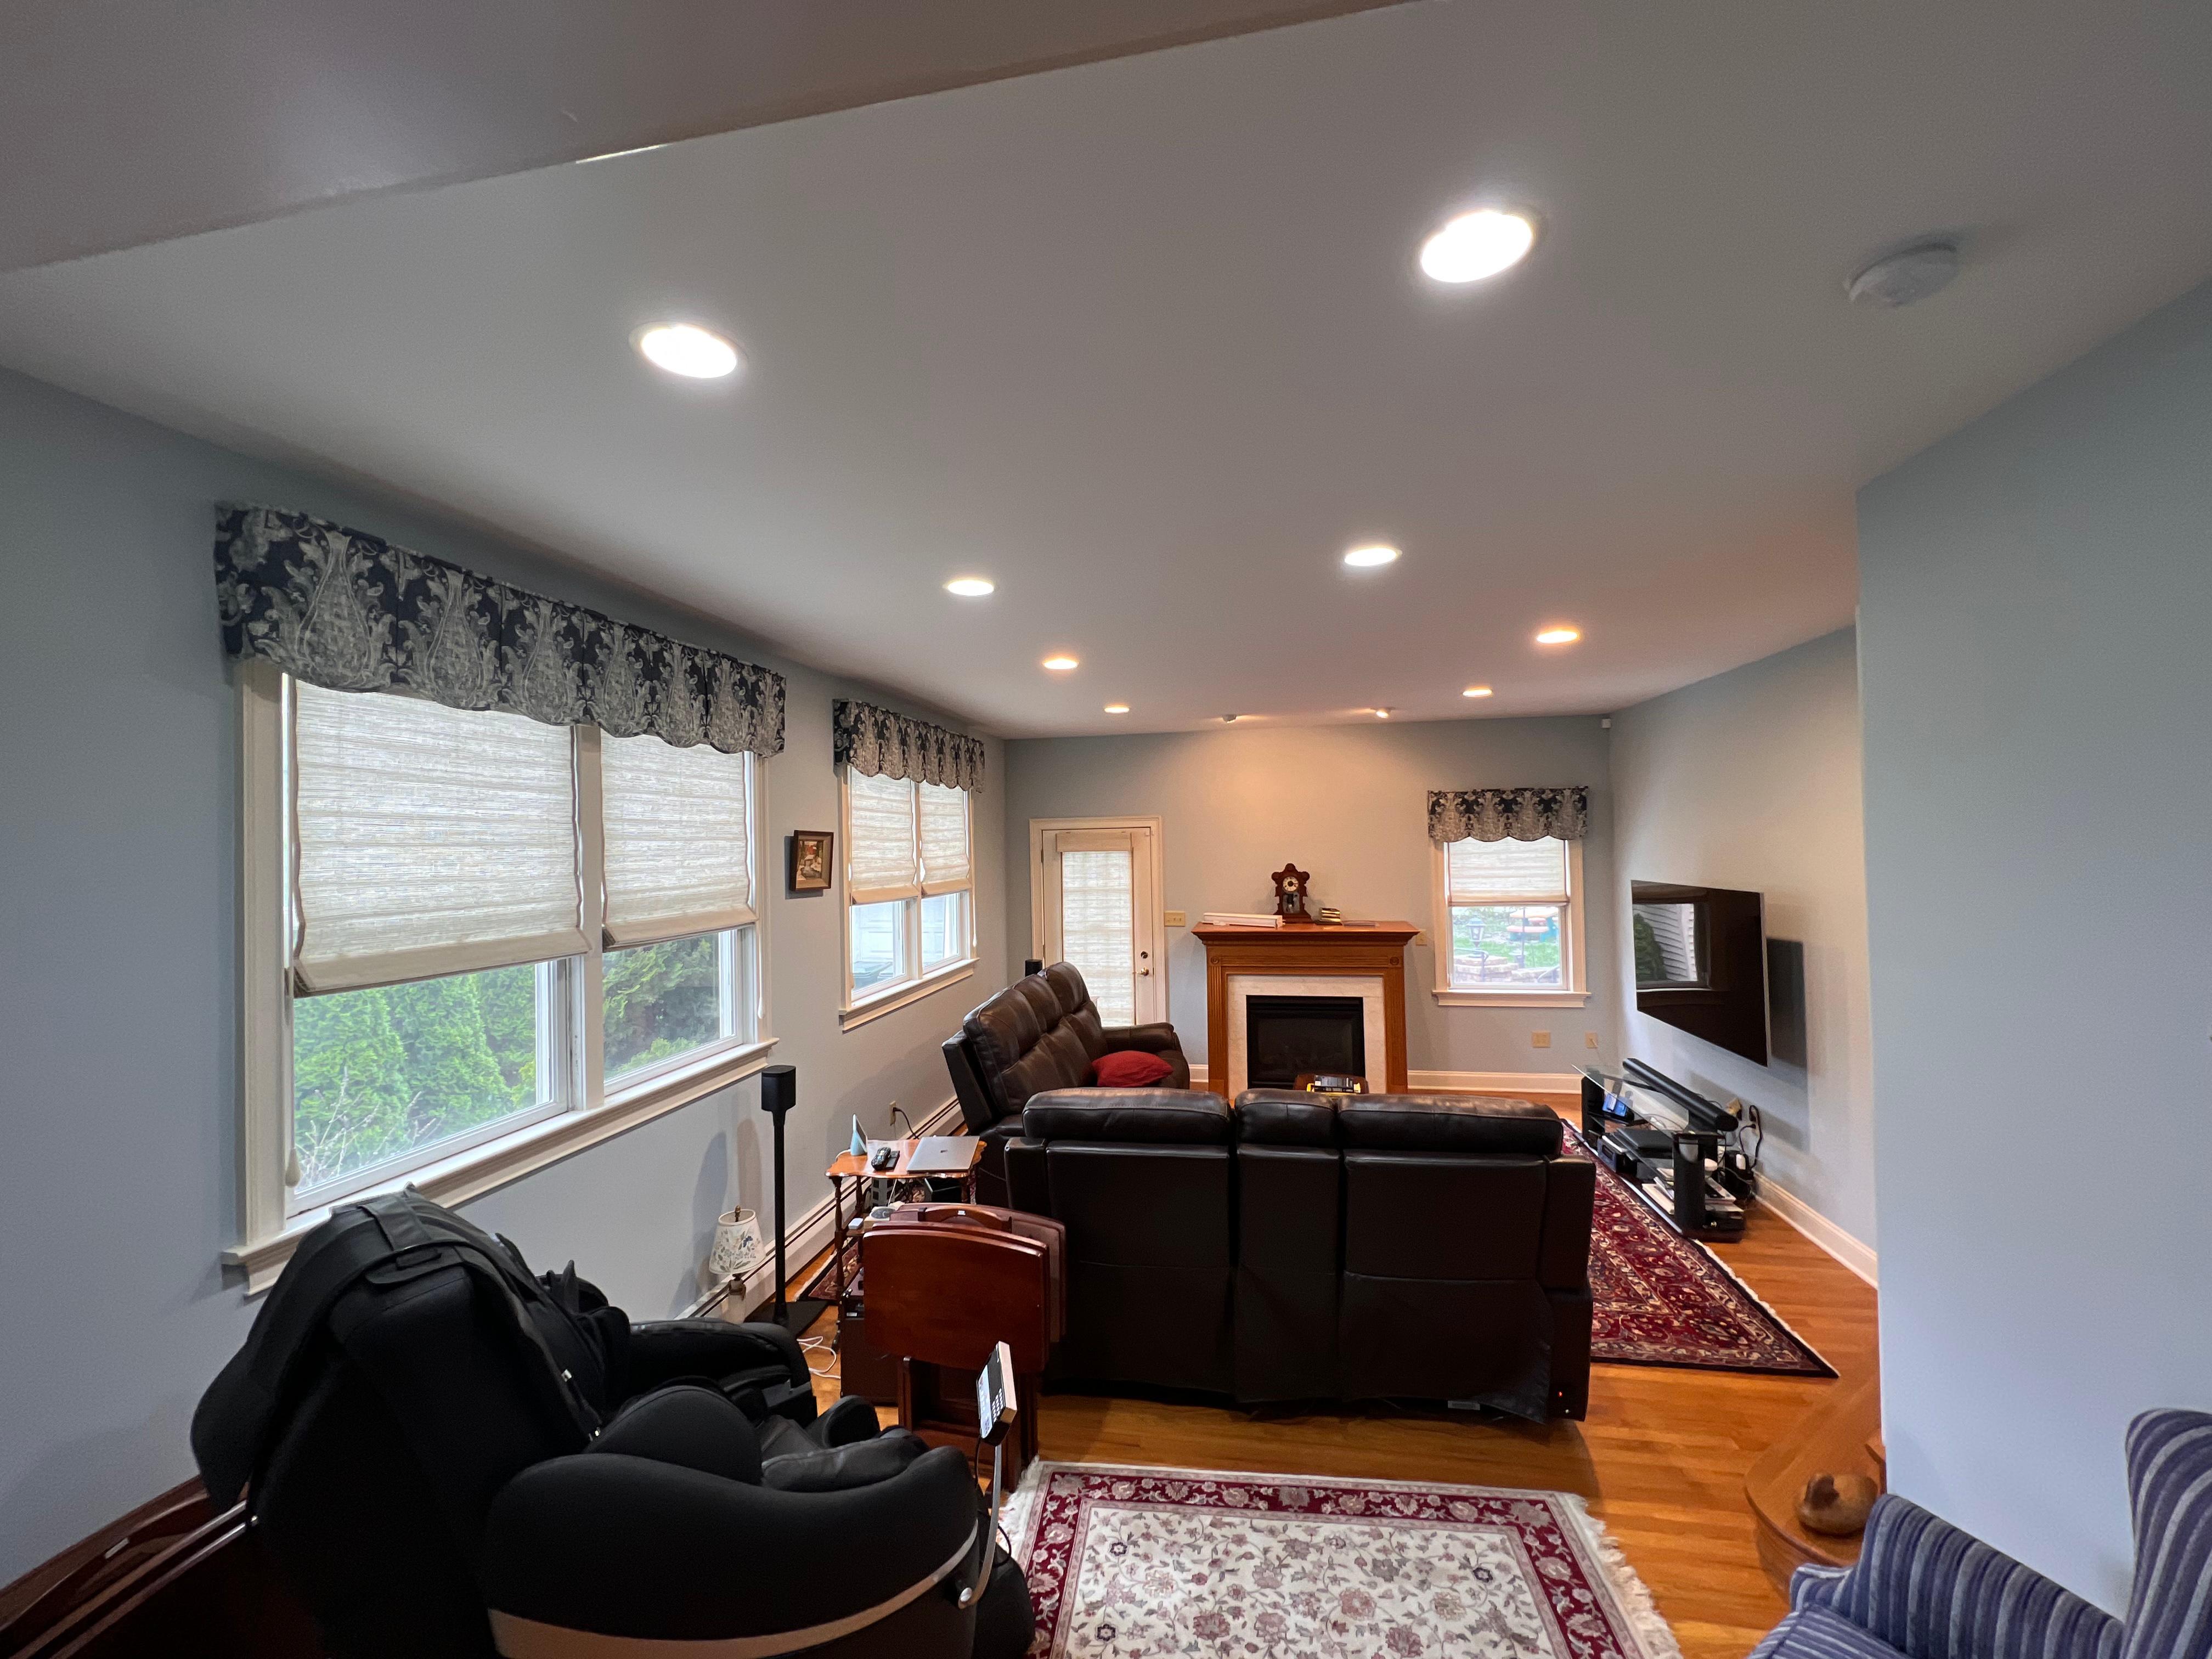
[737,1246]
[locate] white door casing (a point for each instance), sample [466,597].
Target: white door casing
[1095,893]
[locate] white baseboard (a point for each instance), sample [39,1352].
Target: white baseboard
[1478,1083]
[811,1234]
[1806,1219]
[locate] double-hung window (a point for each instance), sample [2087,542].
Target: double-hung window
[472,938]
[909,889]
[1509,922]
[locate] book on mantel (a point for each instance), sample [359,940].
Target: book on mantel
[1233,919]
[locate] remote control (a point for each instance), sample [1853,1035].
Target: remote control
[886,1158]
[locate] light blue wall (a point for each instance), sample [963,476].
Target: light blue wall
[2036,605]
[118,1086]
[1751,779]
[1350,805]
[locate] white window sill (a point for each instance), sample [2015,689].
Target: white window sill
[898,996]
[1448,997]
[483,1169]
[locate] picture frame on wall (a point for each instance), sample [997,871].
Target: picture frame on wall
[812,859]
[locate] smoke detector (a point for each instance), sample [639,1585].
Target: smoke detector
[1907,277]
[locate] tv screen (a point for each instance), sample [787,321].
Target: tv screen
[1701,963]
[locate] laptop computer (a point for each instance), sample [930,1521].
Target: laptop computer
[941,1155]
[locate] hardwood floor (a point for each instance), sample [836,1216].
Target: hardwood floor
[1661,1457]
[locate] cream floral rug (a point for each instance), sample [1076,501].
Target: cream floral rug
[1127,1561]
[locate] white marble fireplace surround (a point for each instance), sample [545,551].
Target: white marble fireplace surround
[1238,988]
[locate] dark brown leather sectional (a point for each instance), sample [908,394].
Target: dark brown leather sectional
[1042,1032]
[1292,1247]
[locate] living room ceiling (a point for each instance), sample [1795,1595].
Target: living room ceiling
[197,116]
[1145,343]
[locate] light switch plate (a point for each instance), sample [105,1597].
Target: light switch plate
[1540,1039]
[1589,1039]
[1175,919]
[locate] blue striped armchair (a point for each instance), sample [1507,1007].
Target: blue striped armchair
[1924,1589]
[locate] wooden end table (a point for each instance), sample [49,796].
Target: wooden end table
[854,1167]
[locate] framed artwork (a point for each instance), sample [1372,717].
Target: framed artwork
[810,859]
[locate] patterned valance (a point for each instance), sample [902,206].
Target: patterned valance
[877,742]
[349,611]
[1503,814]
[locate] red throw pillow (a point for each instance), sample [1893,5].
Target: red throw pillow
[1130,1068]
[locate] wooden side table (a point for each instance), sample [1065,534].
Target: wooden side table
[854,1167]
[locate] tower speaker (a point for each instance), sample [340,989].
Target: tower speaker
[779,1093]
[779,1089]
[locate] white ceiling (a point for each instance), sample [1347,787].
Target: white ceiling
[131,122]
[1144,341]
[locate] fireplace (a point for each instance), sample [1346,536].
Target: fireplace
[1285,1036]
[1305,965]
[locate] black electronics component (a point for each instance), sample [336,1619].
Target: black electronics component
[779,1092]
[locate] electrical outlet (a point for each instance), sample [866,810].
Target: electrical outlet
[1176,919]
[1589,1039]
[1540,1039]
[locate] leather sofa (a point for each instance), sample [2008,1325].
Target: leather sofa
[1042,1033]
[1304,1246]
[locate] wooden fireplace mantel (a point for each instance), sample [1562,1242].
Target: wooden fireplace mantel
[1302,949]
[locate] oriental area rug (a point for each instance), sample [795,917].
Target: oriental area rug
[1125,1561]
[1662,1299]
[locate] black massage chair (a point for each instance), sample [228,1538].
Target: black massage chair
[449,1457]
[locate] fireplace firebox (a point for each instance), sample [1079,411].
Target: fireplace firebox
[1286,1037]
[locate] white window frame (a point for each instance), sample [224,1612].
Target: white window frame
[583,1114]
[1572,955]
[881,999]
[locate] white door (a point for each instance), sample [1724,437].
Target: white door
[1099,908]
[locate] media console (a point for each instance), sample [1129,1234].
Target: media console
[1678,1152]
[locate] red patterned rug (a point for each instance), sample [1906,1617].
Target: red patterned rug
[1662,1299]
[1126,1561]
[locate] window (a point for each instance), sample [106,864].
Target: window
[463,926]
[677,980]
[1508,929]
[909,890]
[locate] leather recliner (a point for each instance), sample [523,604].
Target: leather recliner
[449,1459]
[1143,1181]
[1466,1250]
[1042,1032]
[1305,1247]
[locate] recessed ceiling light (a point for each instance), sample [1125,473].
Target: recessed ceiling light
[1117,707]
[1059,665]
[1559,636]
[1228,719]
[687,349]
[1382,714]
[1478,244]
[1476,691]
[971,587]
[1374,554]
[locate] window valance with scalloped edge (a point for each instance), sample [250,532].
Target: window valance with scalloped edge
[1508,814]
[878,743]
[348,610]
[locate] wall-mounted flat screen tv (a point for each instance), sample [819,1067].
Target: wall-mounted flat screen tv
[1701,963]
